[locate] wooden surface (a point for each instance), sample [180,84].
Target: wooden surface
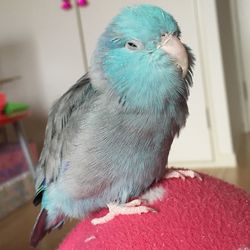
[15,229]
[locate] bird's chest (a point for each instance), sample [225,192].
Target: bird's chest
[133,151]
[134,137]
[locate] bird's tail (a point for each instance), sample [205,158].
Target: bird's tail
[41,227]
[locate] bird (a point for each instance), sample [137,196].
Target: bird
[108,138]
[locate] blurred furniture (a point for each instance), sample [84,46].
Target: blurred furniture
[16,166]
[16,121]
[16,181]
[9,79]
[2,101]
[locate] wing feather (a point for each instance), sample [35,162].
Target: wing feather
[50,159]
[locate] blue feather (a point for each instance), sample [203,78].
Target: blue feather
[146,78]
[108,138]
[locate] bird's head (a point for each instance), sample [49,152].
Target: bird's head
[141,58]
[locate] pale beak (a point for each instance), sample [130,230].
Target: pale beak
[176,50]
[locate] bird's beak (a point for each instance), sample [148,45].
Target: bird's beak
[174,47]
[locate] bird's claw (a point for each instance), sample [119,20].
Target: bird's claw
[174,173]
[132,207]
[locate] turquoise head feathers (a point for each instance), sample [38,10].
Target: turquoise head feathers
[132,63]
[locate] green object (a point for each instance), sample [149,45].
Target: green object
[12,107]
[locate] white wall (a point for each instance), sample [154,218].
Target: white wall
[39,42]
[241,22]
[232,81]
[215,82]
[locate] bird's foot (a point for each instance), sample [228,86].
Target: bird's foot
[132,207]
[181,173]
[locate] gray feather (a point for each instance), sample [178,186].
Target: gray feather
[108,137]
[50,160]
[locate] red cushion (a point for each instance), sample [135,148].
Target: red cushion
[210,214]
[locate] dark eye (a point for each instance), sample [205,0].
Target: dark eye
[131,44]
[134,45]
[163,36]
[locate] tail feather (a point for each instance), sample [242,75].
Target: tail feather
[39,229]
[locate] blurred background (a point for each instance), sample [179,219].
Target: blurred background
[45,46]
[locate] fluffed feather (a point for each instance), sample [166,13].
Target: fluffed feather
[108,138]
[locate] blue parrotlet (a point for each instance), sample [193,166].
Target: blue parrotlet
[108,137]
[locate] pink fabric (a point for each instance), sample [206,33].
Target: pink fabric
[192,215]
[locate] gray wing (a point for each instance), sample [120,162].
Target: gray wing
[78,96]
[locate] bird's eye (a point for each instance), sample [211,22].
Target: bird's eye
[134,45]
[163,36]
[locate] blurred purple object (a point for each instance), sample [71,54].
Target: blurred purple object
[66,5]
[82,3]
[12,161]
